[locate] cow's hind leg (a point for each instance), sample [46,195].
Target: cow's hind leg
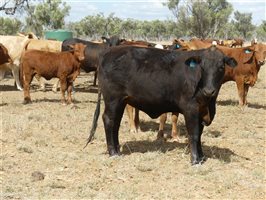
[175,132]
[163,118]
[132,122]
[26,87]
[112,116]
[69,91]
[15,72]
[241,92]
[95,78]
[63,87]
[55,86]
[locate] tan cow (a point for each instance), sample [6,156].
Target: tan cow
[15,46]
[63,65]
[227,43]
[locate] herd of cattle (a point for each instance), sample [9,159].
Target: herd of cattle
[184,77]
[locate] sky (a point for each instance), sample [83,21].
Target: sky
[151,9]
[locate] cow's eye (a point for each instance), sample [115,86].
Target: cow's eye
[221,68]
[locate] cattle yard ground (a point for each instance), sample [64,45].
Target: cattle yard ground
[42,155]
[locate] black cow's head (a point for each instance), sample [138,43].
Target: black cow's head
[112,41]
[206,71]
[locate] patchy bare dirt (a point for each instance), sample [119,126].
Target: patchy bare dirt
[42,155]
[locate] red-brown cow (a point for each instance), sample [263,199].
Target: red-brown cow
[249,59]
[4,57]
[63,65]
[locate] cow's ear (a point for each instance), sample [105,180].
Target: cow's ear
[70,46]
[248,53]
[192,62]
[105,39]
[192,74]
[230,61]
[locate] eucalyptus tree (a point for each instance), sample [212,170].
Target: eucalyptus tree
[261,31]
[46,15]
[243,24]
[10,26]
[203,18]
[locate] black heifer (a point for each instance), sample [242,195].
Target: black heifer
[159,81]
[92,52]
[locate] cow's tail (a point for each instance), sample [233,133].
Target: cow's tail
[21,75]
[95,119]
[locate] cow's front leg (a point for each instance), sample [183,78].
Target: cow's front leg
[112,116]
[241,92]
[246,87]
[63,87]
[26,88]
[195,128]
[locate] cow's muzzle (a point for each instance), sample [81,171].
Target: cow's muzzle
[209,92]
[261,62]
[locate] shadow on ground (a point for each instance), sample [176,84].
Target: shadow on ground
[235,103]
[214,152]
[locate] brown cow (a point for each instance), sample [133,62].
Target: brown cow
[249,59]
[193,44]
[63,65]
[4,56]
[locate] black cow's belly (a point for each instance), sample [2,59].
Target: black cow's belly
[154,110]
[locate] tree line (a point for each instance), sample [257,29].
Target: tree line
[192,18]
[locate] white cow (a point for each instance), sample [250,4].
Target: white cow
[15,46]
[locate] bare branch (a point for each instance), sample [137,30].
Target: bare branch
[10,8]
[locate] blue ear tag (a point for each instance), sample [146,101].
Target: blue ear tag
[247,51]
[177,46]
[192,64]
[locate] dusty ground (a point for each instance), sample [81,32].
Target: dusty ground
[42,155]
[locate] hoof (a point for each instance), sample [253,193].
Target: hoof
[199,161]
[26,101]
[160,135]
[54,90]
[175,139]
[113,152]
[133,130]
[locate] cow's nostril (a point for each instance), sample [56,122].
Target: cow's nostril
[209,92]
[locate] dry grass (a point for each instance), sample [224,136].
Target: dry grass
[48,138]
